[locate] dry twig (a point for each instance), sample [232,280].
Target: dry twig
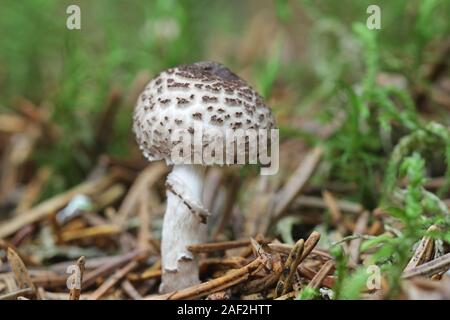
[430,268]
[50,206]
[21,272]
[296,183]
[230,279]
[424,251]
[108,284]
[75,291]
[284,284]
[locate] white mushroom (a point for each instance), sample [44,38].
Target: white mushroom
[182,98]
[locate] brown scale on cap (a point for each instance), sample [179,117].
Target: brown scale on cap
[207,99]
[197,116]
[178,85]
[182,102]
[203,93]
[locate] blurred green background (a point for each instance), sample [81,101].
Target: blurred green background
[310,59]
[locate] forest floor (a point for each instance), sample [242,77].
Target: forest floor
[359,209]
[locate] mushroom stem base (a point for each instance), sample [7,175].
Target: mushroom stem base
[181,227]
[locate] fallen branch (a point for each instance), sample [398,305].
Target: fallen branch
[21,272]
[284,284]
[317,280]
[74,293]
[50,206]
[97,231]
[131,291]
[15,294]
[105,269]
[296,183]
[218,246]
[108,284]
[230,279]
[306,272]
[424,251]
[360,228]
[441,264]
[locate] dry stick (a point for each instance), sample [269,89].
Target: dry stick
[108,267]
[352,237]
[231,196]
[149,274]
[38,116]
[295,184]
[220,295]
[320,276]
[440,96]
[247,251]
[263,194]
[33,189]
[10,164]
[228,280]
[90,232]
[25,258]
[42,293]
[424,251]
[50,206]
[108,284]
[8,281]
[286,249]
[266,282]
[319,203]
[258,285]
[111,195]
[10,123]
[15,294]
[286,296]
[92,263]
[131,291]
[21,272]
[336,214]
[360,228]
[144,221]
[438,265]
[219,246]
[234,262]
[22,234]
[47,295]
[49,281]
[75,291]
[252,296]
[284,284]
[155,208]
[308,273]
[143,182]
[104,127]
[93,219]
[258,251]
[213,181]
[376,228]
[310,243]
[434,73]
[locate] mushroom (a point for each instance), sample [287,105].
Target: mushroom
[182,98]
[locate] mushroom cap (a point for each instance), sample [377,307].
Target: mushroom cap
[204,93]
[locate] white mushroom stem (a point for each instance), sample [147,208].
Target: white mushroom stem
[184,224]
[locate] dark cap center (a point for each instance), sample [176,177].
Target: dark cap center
[216,69]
